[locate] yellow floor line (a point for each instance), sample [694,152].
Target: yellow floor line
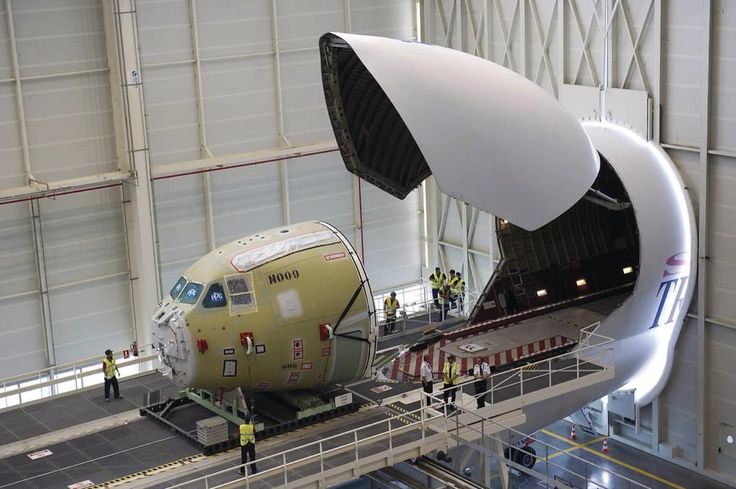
[576,446]
[618,462]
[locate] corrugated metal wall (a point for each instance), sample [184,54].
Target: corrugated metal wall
[261,89]
[67,117]
[219,78]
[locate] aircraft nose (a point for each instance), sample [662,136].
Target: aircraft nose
[169,338]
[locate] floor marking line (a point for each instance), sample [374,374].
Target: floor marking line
[576,446]
[616,461]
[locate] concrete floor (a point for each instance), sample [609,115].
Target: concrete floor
[621,458]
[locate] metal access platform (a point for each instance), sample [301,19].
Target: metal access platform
[274,414]
[415,429]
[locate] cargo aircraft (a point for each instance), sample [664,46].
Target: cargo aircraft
[587,213]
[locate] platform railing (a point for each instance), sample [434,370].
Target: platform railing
[470,429]
[71,376]
[80,374]
[431,428]
[416,303]
[542,374]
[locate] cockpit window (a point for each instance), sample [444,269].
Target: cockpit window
[177,288]
[191,292]
[215,297]
[242,297]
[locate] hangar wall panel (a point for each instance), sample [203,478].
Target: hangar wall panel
[181,226]
[320,188]
[12,173]
[254,98]
[63,65]
[391,234]
[87,270]
[721,399]
[63,80]
[683,67]
[171,113]
[679,399]
[724,77]
[20,305]
[246,200]
[305,119]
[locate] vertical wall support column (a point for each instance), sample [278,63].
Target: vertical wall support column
[462,24]
[43,283]
[121,37]
[493,250]
[657,87]
[432,208]
[488,30]
[22,127]
[525,39]
[467,229]
[204,151]
[33,206]
[357,188]
[703,236]
[283,141]
[358,217]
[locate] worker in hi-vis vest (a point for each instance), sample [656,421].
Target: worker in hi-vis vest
[247,445]
[444,300]
[457,287]
[390,306]
[437,280]
[109,367]
[451,282]
[451,377]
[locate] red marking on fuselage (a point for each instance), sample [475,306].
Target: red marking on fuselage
[676,264]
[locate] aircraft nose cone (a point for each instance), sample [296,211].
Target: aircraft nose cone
[169,337]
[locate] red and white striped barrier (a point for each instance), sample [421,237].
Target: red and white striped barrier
[405,368]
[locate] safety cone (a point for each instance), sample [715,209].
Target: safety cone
[573,435]
[605,445]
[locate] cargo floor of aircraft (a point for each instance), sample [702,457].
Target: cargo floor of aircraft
[509,341]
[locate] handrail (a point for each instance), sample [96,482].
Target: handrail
[425,414]
[585,349]
[523,436]
[406,426]
[49,377]
[87,361]
[601,353]
[44,381]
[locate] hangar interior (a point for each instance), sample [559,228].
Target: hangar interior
[138,135]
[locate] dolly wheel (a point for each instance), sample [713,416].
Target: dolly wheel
[527,457]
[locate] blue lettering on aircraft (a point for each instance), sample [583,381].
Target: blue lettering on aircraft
[671,291]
